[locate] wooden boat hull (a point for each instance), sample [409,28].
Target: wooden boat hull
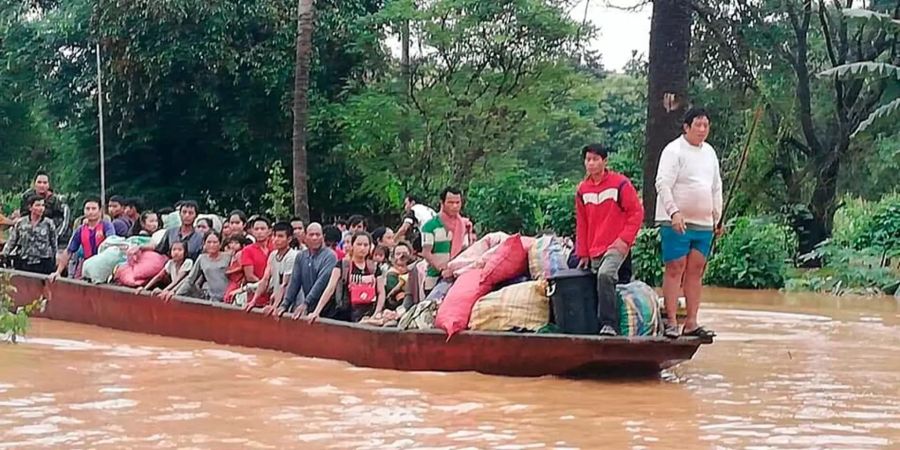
[511,354]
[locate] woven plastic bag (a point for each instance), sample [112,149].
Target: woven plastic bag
[547,256]
[522,306]
[638,309]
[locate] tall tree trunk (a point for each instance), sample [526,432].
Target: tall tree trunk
[305,12]
[670,44]
[407,86]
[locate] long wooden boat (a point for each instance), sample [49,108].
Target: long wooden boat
[499,353]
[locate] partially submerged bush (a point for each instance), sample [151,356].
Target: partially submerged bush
[755,253]
[646,257]
[866,240]
[846,271]
[13,320]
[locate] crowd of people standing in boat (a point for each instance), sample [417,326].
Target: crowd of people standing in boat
[341,271]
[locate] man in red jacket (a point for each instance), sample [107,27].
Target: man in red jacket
[608,216]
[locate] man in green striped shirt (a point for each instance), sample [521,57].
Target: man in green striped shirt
[444,237]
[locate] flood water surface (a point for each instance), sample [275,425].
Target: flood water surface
[785,372]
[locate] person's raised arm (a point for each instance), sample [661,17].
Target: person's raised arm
[408,222]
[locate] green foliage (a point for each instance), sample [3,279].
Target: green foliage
[809,157]
[9,201]
[881,115]
[278,197]
[491,82]
[646,257]
[850,220]
[201,116]
[860,225]
[882,230]
[866,238]
[864,16]
[865,69]
[846,271]
[755,253]
[516,202]
[12,324]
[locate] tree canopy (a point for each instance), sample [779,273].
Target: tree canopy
[495,95]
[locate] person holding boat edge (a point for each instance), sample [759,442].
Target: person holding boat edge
[688,209]
[86,237]
[33,239]
[274,281]
[608,216]
[309,277]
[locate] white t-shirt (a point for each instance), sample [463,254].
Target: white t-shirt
[173,271]
[688,181]
[281,269]
[423,214]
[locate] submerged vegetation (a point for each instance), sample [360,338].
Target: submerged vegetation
[13,320]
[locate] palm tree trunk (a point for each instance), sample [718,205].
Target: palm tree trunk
[405,76]
[306,9]
[670,44]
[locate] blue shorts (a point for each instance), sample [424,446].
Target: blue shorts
[676,245]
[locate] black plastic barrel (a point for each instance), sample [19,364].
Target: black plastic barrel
[573,297]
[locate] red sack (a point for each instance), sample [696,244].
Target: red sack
[149,264]
[146,266]
[125,276]
[453,314]
[508,261]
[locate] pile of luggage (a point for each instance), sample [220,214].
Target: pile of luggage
[525,284]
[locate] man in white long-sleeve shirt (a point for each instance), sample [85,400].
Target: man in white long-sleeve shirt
[688,209]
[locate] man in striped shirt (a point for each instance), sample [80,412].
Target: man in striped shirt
[444,237]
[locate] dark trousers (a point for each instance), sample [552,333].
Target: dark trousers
[607,269]
[44,266]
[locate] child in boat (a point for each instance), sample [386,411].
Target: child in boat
[176,270]
[235,272]
[397,277]
[381,257]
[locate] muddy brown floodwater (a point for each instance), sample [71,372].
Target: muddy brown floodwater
[795,371]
